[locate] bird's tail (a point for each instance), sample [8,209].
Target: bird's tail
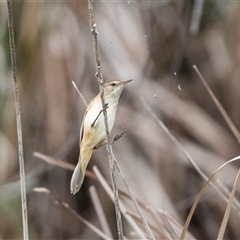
[80,170]
[77,179]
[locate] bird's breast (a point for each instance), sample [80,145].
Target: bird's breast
[94,123]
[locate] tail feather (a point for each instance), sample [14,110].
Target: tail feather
[77,179]
[80,170]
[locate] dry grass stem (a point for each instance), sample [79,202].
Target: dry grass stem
[144,221]
[99,210]
[196,16]
[178,225]
[61,164]
[109,146]
[182,149]
[122,207]
[167,224]
[71,167]
[225,190]
[159,223]
[75,86]
[228,209]
[57,201]
[18,120]
[219,106]
[193,163]
[187,222]
[138,219]
[54,161]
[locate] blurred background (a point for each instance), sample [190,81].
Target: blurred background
[155,43]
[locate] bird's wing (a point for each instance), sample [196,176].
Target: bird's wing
[82,130]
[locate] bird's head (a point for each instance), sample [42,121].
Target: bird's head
[114,88]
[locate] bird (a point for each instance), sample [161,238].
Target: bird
[92,131]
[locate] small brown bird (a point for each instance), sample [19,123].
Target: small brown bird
[92,132]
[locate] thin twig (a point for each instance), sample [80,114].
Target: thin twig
[182,149]
[228,209]
[18,119]
[219,106]
[178,225]
[144,221]
[71,167]
[167,224]
[225,190]
[75,86]
[61,164]
[54,161]
[109,146]
[187,222]
[72,211]
[68,166]
[137,218]
[159,223]
[99,210]
[122,207]
[196,16]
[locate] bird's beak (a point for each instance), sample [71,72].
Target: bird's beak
[127,81]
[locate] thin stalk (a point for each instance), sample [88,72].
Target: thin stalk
[63,204]
[219,106]
[18,120]
[109,146]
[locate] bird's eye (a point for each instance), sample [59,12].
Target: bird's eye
[113,84]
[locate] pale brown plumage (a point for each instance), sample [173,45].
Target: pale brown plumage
[92,132]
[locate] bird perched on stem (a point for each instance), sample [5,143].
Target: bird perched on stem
[93,132]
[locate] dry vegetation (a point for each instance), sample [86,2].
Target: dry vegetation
[156,44]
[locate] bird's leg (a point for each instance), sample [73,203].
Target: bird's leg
[116,138]
[103,143]
[105,107]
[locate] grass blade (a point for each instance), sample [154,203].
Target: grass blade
[219,106]
[18,119]
[99,210]
[72,211]
[228,209]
